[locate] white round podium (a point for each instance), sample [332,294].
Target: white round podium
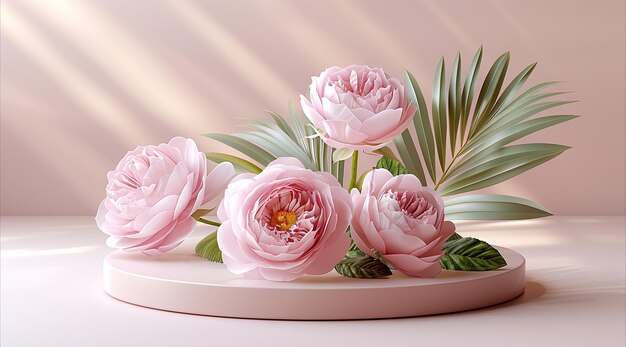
[181,281]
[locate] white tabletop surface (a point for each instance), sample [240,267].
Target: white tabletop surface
[52,295]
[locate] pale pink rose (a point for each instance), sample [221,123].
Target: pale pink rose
[357,107]
[283,223]
[398,219]
[153,192]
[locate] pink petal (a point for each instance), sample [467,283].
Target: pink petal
[414,266]
[398,242]
[330,255]
[341,132]
[381,124]
[236,260]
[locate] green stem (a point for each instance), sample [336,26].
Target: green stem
[355,163]
[209,222]
[456,156]
[444,175]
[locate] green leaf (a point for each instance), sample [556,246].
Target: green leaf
[513,87]
[492,207]
[239,163]
[489,91]
[506,135]
[454,101]
[439,112]
[359,182]
[362,267]
[470,254]
[468,90]
[514,116]
[506,98]
[248,148]
[340,171]
[297,124]
[278,144]
[386,151]
[454,236]
[283,125]
[421,122]
[501,165]
[395,167]
[342,154]
[355,253]
[201,212]
[208,249]
[410,158]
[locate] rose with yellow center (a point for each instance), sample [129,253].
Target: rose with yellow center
[283,223]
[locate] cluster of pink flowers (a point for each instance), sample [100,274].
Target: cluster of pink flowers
[287,221]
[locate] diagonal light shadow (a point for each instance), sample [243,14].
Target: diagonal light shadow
[134,69]
[47,159]
[304,35]
[243,61]
[451,25]
[105,110]
[385,41]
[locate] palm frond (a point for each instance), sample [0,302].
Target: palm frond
[268,139]
[478,134]
[492,207]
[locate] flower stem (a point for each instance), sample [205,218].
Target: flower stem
[209,222]
[355,163]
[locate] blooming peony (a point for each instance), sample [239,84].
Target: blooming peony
[357,107]
[283,223]
[153,192]
[398,219]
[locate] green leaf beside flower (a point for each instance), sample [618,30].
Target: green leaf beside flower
[208,249]
[387,152]
[470,254]
[342,154]
[362,267]
[240,164]
[395,167]
[492,207]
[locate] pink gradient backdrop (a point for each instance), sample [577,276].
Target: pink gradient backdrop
[83,82]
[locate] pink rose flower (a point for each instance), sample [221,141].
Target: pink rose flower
[398,219]
[283,223]
[357,107]
[153,192]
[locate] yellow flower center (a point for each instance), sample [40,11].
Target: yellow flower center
[283,220]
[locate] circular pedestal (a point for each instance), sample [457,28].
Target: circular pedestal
[181,281]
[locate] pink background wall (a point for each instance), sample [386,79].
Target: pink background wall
[83,82]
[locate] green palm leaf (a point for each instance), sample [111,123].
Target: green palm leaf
[488,94]
[408,153]
[501,165]
[421,122]
[267,140]
[239,163]
[284,126]
[492,207]
[477,130]
[439,112]
[248,148]
[504,137]
[454,101]
[468,90]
